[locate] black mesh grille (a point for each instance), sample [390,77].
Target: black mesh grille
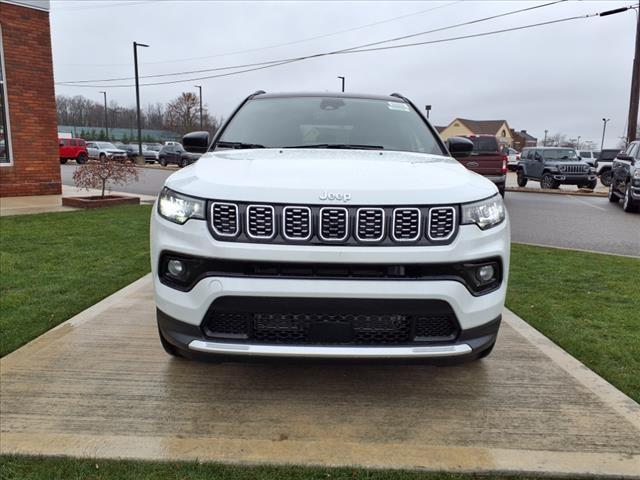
[260,222]
[370,224]
[360,322]
[406,224]
[435,327]
[441,223]
[225,218]
[333,223]
[297,222]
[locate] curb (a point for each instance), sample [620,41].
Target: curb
[577,193]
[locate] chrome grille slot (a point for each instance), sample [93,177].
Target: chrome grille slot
[224,219]
[442,223]
[574,168]
[370,224]
[334,224]
[296,223]
[406,224]
[260,221]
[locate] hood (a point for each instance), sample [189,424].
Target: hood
[115,150]
[317,176]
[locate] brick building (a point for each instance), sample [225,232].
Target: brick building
[522,140]
[29,163]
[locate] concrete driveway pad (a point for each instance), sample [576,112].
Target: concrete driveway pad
[101,386]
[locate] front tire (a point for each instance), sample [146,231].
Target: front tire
[548,182]
[628,204]
[63,161]
[183,163]
[102,157]
[606,177]
[522,180]
[612,196]
[82,159]
[163,161]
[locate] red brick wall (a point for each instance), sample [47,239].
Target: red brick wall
[32,109]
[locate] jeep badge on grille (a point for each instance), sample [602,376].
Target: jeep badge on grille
[344,197]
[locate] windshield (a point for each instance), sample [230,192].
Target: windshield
[560,154]
[105,145]
[329,122]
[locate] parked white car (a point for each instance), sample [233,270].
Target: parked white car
[105,150]
[513,157]
[343,230]
[589,156]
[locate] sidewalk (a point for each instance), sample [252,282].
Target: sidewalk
[100,386]
[53,203]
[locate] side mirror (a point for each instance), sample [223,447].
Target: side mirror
[623,156]
[196,142]
[459,147]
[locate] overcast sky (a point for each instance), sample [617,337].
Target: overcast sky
[563,78]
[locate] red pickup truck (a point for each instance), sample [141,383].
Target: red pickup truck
[73,149]
[487,159]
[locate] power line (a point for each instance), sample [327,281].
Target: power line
[404,37]
[341,52]
[268,47]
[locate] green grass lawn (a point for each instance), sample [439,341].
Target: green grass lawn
[33,468]
[589,304]
[55,265]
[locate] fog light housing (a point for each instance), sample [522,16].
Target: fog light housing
[485,273]
[176,268]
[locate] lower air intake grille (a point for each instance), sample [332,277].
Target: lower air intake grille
[361,322]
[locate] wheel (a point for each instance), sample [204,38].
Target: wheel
[82,158]
[522,180]
[169,347]
[628,205]
[183,162]
[613,196]
[592,185]
[605,178]
[547,181]
[485,353]
[63,161]
[163,161]
[103,157]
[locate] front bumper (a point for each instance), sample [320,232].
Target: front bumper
[181,313]
[569,179]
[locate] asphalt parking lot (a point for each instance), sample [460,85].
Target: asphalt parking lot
[101,386]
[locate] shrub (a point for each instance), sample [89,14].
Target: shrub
[100,174]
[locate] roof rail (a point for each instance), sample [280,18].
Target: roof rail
[398,95]
[258,92]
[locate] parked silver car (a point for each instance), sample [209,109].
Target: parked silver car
[105,150]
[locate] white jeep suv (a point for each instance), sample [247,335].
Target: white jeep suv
[329,226]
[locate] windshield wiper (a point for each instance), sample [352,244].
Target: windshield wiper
[238,145]
[346,146]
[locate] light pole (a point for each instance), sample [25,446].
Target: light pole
[428,109]
[199,87]
[342,78]
[106,123]
[135,62]
[578,143]
[544,144]
[604,129]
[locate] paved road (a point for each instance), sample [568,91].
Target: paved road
[587,223]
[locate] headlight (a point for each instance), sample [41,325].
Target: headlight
[485,214]
[636,174]
[179,208]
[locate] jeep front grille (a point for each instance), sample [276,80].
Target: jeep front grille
[224,219]
[332,225]
[261,221]
[441,223]
[406,224]
[574,168]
